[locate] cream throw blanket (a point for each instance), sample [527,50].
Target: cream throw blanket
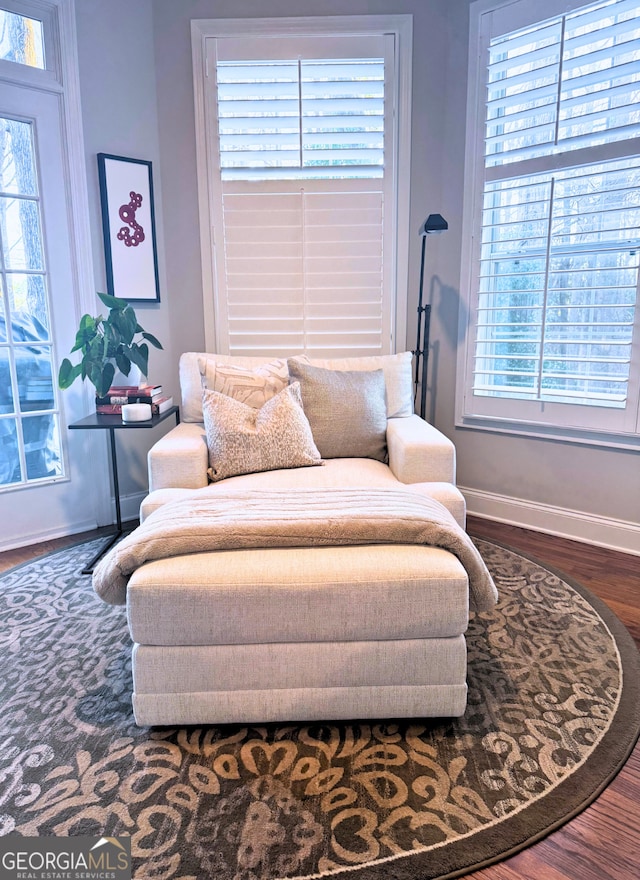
[291,518]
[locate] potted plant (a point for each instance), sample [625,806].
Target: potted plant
[117,341]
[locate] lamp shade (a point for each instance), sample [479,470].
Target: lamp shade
[433,223]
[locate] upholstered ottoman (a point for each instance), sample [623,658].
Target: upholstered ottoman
[323,633]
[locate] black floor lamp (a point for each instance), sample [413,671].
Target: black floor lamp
[434,223]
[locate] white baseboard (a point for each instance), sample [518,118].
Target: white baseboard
[129,506]
[62,531]
[615,534]
[129,509]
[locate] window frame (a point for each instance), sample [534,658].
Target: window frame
[50,76]
[569,422]
[60,78]
[400,26]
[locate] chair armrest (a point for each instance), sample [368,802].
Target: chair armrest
[419,453]
[179,460]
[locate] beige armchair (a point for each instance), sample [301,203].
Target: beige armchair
[301,633]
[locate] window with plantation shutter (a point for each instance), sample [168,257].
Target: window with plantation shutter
[553,334]
[301,136]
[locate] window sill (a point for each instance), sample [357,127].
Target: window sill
[579,436]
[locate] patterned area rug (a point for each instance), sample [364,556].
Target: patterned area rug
[553,713]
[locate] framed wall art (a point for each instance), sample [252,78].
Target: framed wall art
[128,226]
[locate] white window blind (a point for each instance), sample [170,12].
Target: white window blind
[304,162]
[558,254]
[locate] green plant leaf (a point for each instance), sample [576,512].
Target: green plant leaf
[113,302]
[102,377]
[68,373]
[108,373]
[123,362]
[111,340]
[123,325]
[87,329]
[139,354]
[150,337]
[130,324]
[94,349]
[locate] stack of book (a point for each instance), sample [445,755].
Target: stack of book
[119,395]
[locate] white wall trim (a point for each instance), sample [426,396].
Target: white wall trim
[129,509]
[129,506]
[38,536]
[615,534]
[79,225]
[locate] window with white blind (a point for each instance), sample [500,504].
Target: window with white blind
[553,217]
[299,144]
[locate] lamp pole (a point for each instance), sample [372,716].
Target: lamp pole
[433,224]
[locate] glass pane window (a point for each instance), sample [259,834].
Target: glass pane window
[17,165]
[6,385]
[34,375]
[43,456]
[20,231]
[30,446]
[9,453]
[21,39]
[27,294]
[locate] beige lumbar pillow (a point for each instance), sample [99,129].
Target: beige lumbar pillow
[398,376]
[253,386]
[346,409]
[245,440]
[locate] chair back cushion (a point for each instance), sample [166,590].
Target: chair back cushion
[198,368]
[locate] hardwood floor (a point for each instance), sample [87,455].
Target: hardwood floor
[603,842]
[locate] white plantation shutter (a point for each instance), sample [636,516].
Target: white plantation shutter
[312,116]
[568,83]
[314,280]
[305,163]
[558,255]
[558,278]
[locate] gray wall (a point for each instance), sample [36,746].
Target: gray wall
[119,109]
[138,100]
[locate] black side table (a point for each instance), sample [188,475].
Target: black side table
[99,422]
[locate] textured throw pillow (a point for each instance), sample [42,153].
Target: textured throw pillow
[244,440]
[346,409]
[398,376]
[252,386]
